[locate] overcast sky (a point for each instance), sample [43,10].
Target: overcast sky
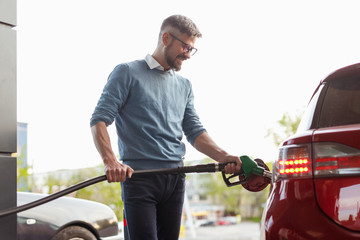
[256,61]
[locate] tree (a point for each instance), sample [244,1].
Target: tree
[23,176]
[287,127]
[220,194]
[103,192]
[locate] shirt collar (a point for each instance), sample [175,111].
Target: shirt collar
[152,63]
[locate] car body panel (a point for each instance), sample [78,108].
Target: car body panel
[348,135]
[340,200]
[299,138]
[46,220]
[291,212]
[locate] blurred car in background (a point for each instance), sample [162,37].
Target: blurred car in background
[65,218]
[204,223]
[228,220]
[316,180]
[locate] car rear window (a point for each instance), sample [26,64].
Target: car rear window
[341,103]
[307,119]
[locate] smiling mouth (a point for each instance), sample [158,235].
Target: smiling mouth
[180,60]
[182,57]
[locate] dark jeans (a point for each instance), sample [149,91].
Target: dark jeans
[153,206]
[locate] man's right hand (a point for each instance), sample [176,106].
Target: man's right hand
[114,170]
[117,172]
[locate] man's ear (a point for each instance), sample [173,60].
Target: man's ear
[165,38]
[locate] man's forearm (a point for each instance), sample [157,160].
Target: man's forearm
[102,142]
[115,171]
[204,143]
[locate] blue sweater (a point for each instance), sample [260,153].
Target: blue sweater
[152,109]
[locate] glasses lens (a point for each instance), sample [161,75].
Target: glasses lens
[193,51]
[188,48]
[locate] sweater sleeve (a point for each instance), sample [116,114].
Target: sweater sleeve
[113,96]
[192,126]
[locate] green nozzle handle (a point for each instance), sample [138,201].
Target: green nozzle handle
[249,166]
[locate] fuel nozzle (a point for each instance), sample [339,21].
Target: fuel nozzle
[257,167]
[267,174]
[254,175]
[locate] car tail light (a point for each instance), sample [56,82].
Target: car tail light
[333,159]
[294,161]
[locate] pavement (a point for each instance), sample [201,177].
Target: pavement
[240,231]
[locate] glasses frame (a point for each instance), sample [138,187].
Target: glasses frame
[187,47]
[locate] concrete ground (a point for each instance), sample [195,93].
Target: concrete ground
[240,231]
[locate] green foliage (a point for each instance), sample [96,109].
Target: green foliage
[23,176]
[287,127]
[236,199]
[255,219]
[227,196]
[103,192]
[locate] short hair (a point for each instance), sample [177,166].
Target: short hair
[181,23]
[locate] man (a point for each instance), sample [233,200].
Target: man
[152,107]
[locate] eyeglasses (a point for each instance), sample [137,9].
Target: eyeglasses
[187,48]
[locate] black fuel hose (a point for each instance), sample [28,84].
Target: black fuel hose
[212,167]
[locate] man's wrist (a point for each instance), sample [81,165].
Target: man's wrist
[109,159]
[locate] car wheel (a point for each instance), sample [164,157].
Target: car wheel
[74,233]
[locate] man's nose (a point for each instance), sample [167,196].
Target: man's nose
[187,54]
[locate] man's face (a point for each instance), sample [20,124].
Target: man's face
[176,51]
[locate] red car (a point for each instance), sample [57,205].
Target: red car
[315,192]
